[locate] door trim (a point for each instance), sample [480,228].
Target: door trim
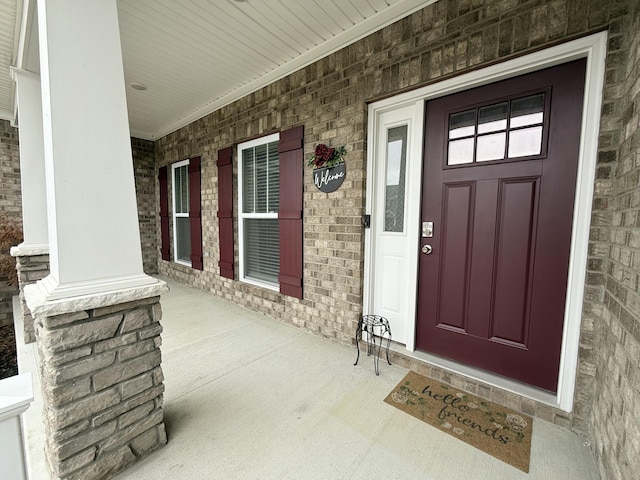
[594,48]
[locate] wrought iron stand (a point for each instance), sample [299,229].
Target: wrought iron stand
[376,327]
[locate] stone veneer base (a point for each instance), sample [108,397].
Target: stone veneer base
[102,383]
[32,263]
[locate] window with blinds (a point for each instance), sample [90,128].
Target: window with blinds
[258,196]
[181,223]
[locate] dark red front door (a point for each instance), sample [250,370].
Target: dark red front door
[499,181]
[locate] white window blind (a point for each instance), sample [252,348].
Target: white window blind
[259,191]
[181,222]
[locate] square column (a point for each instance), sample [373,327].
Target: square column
[32,172]
[93,231]
[96,315]
[32,255]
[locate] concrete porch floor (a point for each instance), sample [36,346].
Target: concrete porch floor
[248,397]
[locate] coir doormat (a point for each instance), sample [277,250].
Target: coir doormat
[496,430]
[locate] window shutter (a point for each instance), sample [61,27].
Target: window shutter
[195,220]
[291,152]
[164,213]
[225,212]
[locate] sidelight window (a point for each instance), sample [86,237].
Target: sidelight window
[396,167]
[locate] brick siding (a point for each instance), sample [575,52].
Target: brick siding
[616,283]
[10,204]
[145,177]
[10,194]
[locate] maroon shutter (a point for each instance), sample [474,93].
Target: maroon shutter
[195,220]
[291,153]
[225,211]
[164,213]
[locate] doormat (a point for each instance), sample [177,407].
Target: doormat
[496,430]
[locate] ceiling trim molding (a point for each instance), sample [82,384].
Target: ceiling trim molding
[25,21]
[371,25]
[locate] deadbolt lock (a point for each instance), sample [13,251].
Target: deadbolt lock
[427,229]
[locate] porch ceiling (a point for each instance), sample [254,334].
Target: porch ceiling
[199,55]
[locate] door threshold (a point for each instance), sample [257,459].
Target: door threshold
[476,374]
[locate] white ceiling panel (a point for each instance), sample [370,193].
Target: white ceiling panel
[9,19]
[196,56]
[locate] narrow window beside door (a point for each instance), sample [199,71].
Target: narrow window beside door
[395,179]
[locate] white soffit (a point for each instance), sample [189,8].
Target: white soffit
[197,56]
[9,23]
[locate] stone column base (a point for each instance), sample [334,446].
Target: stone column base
[102,383]
[31,266]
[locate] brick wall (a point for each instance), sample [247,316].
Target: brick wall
[616,407]
[10,199]
[10,206]
[145,176]
[329,98]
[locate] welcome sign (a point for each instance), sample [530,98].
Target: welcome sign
[329,179]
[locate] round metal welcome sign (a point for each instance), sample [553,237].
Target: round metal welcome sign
[329,179]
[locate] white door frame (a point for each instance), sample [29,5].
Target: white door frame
[592,47]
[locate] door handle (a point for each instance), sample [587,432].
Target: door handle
[427,249]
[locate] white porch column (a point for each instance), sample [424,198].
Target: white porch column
[32,255]
[34,202]
[94,236]
[97,315]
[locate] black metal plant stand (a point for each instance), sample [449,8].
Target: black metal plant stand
[376,327]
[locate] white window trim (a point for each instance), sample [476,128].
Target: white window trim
[594,49]
[175,215]
[275,137]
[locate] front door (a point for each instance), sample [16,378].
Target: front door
[500,166]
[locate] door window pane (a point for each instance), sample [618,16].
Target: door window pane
[460,151]
[462,124]
[525,142]
[491,147]
[508,129]
[493,118]
[395,179]
[527,111]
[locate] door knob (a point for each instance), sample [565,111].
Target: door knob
[427,249]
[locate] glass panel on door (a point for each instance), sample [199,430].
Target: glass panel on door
[395,179]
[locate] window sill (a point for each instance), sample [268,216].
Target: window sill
[261,284]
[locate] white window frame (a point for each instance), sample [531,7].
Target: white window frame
[174,167]
[275,137]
